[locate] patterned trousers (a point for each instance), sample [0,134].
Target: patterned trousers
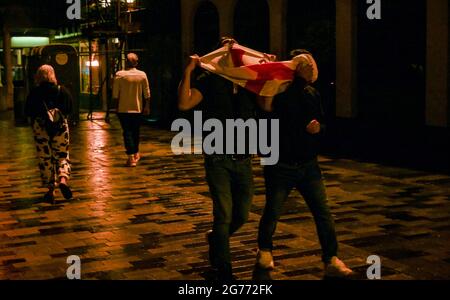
[52,151]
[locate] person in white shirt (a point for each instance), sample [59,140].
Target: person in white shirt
[131,92]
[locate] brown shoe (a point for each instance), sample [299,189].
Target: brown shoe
[337,268]
[264,259]
[137,157]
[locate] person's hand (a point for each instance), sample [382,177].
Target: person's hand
[313,127]
[194,61]
[271,57]
[146,111]
[268,58]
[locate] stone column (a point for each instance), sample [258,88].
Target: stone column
[2,94]
[346,77]
[278,27]
[437,66]
[226,16]
[188,9]
[9,87]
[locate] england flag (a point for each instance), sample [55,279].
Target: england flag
[256,71]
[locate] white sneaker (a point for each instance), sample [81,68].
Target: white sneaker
[131,162]
[264,259]
[337,268]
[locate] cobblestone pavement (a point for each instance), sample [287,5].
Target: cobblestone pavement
[149,222]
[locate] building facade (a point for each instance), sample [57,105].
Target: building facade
[385,82]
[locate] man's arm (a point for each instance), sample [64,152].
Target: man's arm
[116,91]
[315,112]
[189,97]
[147,97]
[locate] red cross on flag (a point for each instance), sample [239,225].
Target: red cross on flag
[256,71]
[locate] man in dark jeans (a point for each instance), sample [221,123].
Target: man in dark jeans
[229,177]
[300,113]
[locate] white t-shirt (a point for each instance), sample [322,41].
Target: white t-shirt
[129,87]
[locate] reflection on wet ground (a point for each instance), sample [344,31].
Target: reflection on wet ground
[149,222]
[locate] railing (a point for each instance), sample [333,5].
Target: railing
[112,13]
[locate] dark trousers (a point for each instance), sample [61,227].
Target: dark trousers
[131,124]
[231,187]
[307,178]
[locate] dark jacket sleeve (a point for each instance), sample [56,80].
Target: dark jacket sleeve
[313,106]
[67,101]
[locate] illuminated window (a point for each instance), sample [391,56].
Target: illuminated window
[85,69]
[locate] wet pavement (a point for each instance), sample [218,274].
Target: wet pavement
[149,222]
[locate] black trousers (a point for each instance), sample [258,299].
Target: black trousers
[131,125]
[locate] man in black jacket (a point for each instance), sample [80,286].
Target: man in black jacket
[300,113]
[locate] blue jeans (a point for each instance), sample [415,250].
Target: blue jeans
[231,186]
[131,125]
[307,178]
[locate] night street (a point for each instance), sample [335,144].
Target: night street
[149,222]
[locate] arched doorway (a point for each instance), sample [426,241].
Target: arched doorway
[206,28]
[391,65]
[251,24]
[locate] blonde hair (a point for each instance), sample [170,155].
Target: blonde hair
[45,73]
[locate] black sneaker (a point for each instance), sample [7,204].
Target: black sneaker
[65,191]
[49,197]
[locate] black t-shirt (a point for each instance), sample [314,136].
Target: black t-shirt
[296,108]
[222,100]
[53,97]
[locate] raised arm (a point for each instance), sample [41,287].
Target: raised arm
[189,97]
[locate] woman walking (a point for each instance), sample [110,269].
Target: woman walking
[51,134]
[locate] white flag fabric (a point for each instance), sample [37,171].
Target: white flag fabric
[255,71]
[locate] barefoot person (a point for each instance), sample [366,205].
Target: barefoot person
[52,139]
